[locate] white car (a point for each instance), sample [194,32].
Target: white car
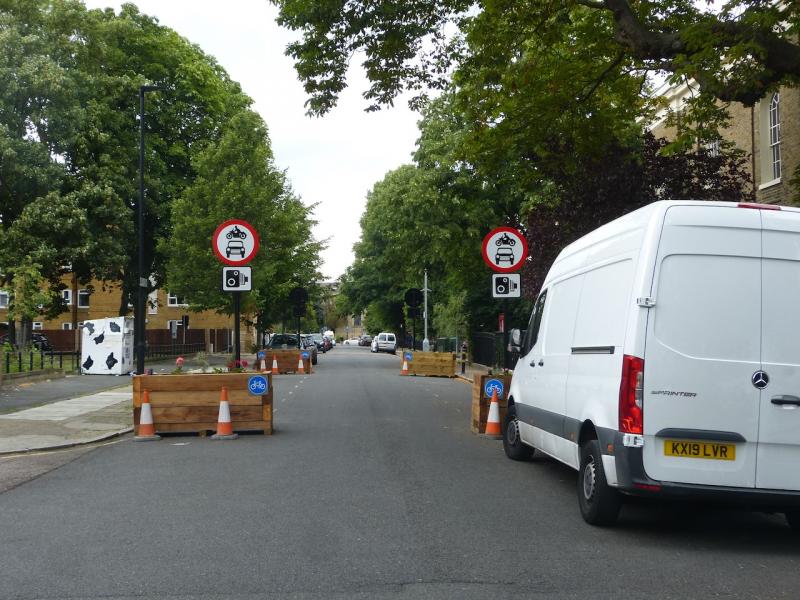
[351,342]
[661,359]
[384,342]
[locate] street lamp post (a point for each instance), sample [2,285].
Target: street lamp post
[143,278]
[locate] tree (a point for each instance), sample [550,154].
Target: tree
[236,178]
[737,52]
[622,182]
[69,136]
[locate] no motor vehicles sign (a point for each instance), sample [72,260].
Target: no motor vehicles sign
[235,242]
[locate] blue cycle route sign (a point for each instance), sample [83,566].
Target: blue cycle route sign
[305,355]
[257,385]
[408,356]
[261,355]
[491,385]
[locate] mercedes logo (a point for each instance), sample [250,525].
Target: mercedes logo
[760,379]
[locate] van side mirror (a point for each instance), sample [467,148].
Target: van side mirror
[515,340]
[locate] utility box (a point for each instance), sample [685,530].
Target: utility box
[107,346]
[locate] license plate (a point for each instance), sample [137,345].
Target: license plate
[690,449]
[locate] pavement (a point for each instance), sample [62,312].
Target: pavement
[75,410]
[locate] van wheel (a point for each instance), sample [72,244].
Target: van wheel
[599,503]
[513,446]
[793,518]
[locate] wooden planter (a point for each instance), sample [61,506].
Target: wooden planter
[288,360]
[190,403]
[436,364]
[480,403]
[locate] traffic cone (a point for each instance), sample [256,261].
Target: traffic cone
[275,370]
[404,370]
[264,365]
[493,422]
[300,367]
[224,425]
[147,431]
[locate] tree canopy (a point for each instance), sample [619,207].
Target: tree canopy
[736,50]
[69,143]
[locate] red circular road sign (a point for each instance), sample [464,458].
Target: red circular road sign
[505,249]
[235,242]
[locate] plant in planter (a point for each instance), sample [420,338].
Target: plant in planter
[178,366]
[237,366]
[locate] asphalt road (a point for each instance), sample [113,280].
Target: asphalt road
[371,487]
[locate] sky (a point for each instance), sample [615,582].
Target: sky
[332,160]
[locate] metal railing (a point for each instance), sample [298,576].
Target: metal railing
[169,350]
[33,360]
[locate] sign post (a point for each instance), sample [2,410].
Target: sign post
[504,250]
[235,242]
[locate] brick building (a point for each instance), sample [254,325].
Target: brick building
[165,311]
[768,133]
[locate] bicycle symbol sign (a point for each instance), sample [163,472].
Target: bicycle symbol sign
[305,355]
[491,385]
[408,356]
[257,385]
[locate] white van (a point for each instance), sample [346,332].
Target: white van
[662,359]
[384,342]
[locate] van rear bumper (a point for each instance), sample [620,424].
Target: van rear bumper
[633,480]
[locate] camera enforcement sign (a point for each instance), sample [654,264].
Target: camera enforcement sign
[505,249]
[506,286]
[235,242]
[236,279]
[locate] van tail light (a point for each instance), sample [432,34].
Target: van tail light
[631,391]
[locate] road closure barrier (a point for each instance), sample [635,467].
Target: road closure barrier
[191,403]
[433,364]
[289,361]
[482,388]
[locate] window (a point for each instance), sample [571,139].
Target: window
[173,300]
[83,298]
[66,326]
[37,325]
[535,322]
[172,325]
[775,134]
[3,299]
[712,148]
[67,296]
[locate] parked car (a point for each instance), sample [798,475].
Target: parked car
[661,360]
[319,341]
[351,342]
[365,340]
[327,343]
[288,341]
[384,342]
[38,341]
[311,347]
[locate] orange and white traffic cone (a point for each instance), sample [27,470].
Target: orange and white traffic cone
[275,370]
[147,431]
[300,367]
[224,425]
[264,365]
[493,422]
[404,370]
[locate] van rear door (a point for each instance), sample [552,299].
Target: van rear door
[700,406]
[779,423]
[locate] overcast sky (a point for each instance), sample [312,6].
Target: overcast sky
[333,160]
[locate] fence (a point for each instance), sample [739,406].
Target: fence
[159,341]
[23,362]
[491,349]
[447,344]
